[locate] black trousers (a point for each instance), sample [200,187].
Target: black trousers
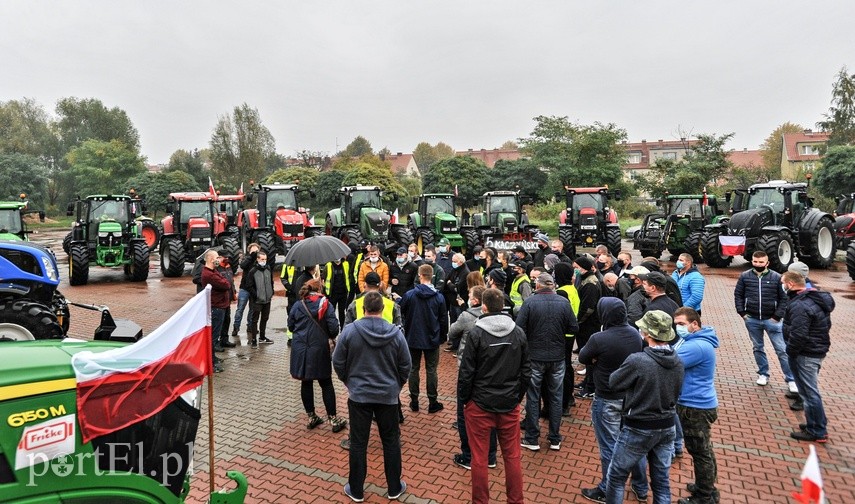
[390,435]
[307,394]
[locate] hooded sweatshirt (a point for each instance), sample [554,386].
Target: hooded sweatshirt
[652,380]
[495,370]
[697,351]
[425,317]
[607,349]
[373,361]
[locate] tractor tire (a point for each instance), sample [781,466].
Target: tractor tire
[78,264]
[234,231]
[424,237]
[779,247]
[693,246]
[613,240]
[711,250]
[23,320]
[172,257]
[351,235]
[470,241]
[140,254]
[850,260]
[66,243]
[245,237]
[821,248]
[565,234]
[402,236]
[265,240]
[150,233]
[231,247]
[312,232]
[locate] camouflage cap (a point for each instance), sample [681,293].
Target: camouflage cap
[658,325]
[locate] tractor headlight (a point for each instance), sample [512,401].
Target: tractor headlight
[103,235]
[50,270]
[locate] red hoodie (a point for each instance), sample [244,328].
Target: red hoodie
[220,287]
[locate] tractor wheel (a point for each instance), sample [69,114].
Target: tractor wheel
[138,269]
[245,237]
[613,240]
[779,248]
[233,230]
[424,237]
[850,260]
[351,235]
[66,243]
[470,241]
[172,258]
[403,236]
[312,232]
[60,309]
[266,242]
[230,245]
[693,246]
[24,320]
[150,233]
[711,250]
[821,248]
[565,234]
[78,264]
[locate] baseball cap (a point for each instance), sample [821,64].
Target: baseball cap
[655,278]
[443,242]
[545,279]
[499,276]
[800,268]
[657,325]
[372,279]
[519,248]
[638,271]
[401,250]
[542,237]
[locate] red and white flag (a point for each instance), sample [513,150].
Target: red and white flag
[732,245]
[395,217]
[125,385]
[211,187]
[312,221]
[455,191]
[240,191]
[811,481]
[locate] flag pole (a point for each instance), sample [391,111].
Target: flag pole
[211,470]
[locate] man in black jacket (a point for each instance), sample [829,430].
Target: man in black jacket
[259,284]
[403,273]
[493,378]
[246,263]
[807,324]
[546,318]
[761,302]
[590,293]
[455,288]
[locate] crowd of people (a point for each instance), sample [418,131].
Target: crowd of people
[517,323]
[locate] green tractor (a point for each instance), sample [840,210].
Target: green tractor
[106,234]
[12,226]
[502,223]
[361,217]
[678,228]
[435,219]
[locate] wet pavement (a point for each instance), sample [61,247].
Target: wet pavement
[260,424]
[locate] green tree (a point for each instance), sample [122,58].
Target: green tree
[156,187]
[88,119]
[326,188]
[773,148]
[576,154]
[25,128]
[306,177]
[468,174]
[837,174]
[840,119]
[426,155]
[23,173]
[97,167]
[413,186]
[240,147]
[704,164]
[190,163]
[523,175]
[509,145]
[365,173]
[357,148]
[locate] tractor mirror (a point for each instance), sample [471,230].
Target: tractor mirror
[617,194]
[311,193]
[803,197]
[249,196]
[143,207]
[41,215]
[727,195]
[69,210]
[222,207]
[559,195]
[170,208]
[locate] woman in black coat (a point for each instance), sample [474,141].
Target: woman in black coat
[315,327]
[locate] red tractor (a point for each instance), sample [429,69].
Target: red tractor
[277,222]
[588,220]
[232,205]
[192,225]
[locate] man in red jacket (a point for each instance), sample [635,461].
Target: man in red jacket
[220,299]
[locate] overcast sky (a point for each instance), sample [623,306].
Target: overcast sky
[471,74]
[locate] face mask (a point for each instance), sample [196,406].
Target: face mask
[541,246]
[533,285]
[785,289]
[374,259]
[680,265]
[682,331]
[556,252]
[621,263]
[578,272]
[600,265]
[759,269]
[476,258]
[411,255]
[262,263]
[401,261]
[442,250]
[473,303]
[455,265]
[428,261]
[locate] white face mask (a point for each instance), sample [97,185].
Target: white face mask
[374,259]
[473,303]
[411,255]
[262,263]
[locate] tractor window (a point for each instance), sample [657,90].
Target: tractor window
[440,205]
[766,197]
[109,209]
[280,199]
[503,204]
[10,221]
[365,199]
[194,209]
[594,201]
[683,206]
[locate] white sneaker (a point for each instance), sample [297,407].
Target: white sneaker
[582,372]
[793,388]
[763,380]
[530,446]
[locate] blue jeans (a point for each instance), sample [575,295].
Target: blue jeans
[678,438]
[632,446]
[553,373]
[755,328]
[218,315]
[606,417]
[806,372]
[242,302]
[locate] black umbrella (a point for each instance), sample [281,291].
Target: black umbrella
[316,250]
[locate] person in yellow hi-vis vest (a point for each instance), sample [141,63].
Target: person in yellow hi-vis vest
[520,286]
[287,276]
[564,276]
[391,310]
[337,285]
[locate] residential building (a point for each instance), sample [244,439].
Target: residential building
[801,153]
[402,164]
[490,156]
[640,156]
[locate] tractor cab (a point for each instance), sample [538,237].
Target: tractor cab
[12,213]
[231,206]
[106,224]
[278,221]
[502,211]
[356,199]
[587,219]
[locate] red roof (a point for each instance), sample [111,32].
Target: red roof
[793,142]
[489,157]
[745,158]
[644,148]
[398,162]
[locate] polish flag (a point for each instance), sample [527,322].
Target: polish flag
[211,187]
[732,245]
[394,219]
[705,201]
[240,191]
[455,191]
[125,385]
[811,481]
[312,221]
